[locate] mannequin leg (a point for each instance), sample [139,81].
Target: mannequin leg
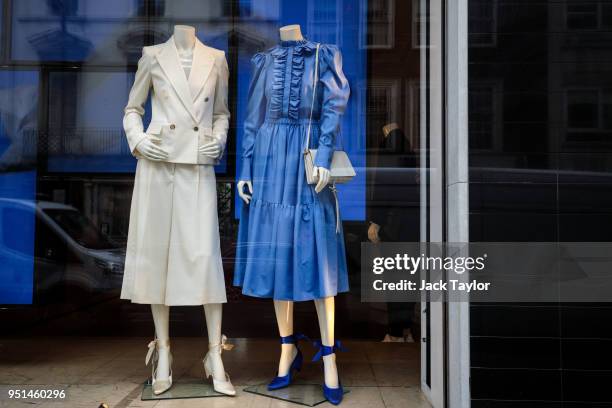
[214,313]
[161,319]
[326,313]
[284,319]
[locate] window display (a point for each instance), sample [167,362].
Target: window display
[125,225]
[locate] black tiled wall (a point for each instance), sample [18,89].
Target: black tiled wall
[541,170]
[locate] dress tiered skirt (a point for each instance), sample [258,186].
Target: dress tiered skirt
[288,246]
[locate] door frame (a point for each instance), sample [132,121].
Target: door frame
[457,194]
[445,351]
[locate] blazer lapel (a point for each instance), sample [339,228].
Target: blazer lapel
[201,67]
[169,61]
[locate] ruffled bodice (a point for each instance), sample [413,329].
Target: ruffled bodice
[282,89]
[287,72]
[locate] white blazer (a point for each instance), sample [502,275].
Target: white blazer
[186,112]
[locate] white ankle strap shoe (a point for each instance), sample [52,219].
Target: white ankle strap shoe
[223,387]
[158,386]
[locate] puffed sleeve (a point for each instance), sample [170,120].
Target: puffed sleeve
[134,110]
[221,113]
[336,91]
[256,109]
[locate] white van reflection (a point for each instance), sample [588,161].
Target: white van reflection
[69,250]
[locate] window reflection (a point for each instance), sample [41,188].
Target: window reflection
[112,31]
[85,131]
[79,228]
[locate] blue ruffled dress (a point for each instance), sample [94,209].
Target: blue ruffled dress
[288,246]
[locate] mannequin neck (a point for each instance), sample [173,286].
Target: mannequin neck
[184,38]
[291,33]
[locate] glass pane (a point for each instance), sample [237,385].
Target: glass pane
[68,174]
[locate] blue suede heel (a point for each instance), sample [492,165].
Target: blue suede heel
[333,395]
[281,382]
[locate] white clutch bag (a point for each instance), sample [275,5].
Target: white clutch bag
[341,170]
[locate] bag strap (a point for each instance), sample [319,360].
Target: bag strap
[315,80]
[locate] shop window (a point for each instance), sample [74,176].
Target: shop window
[380,28]
[483,23]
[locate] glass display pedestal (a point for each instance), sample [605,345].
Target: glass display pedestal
[181,390]
[302,394]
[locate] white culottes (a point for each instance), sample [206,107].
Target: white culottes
[173,250]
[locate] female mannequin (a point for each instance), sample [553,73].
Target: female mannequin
[192,274]
[324,305]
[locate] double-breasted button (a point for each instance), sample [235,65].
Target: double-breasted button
[172,126]
[195,128]
[206,99]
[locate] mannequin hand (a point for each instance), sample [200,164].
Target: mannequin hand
[324,176]
[212,149]
[373,231]
[245,197]
[151,150]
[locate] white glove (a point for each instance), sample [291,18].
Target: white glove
[245,197]
[212,149]
[324,176]
[150,150]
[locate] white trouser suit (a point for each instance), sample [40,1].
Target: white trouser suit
[173,251]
